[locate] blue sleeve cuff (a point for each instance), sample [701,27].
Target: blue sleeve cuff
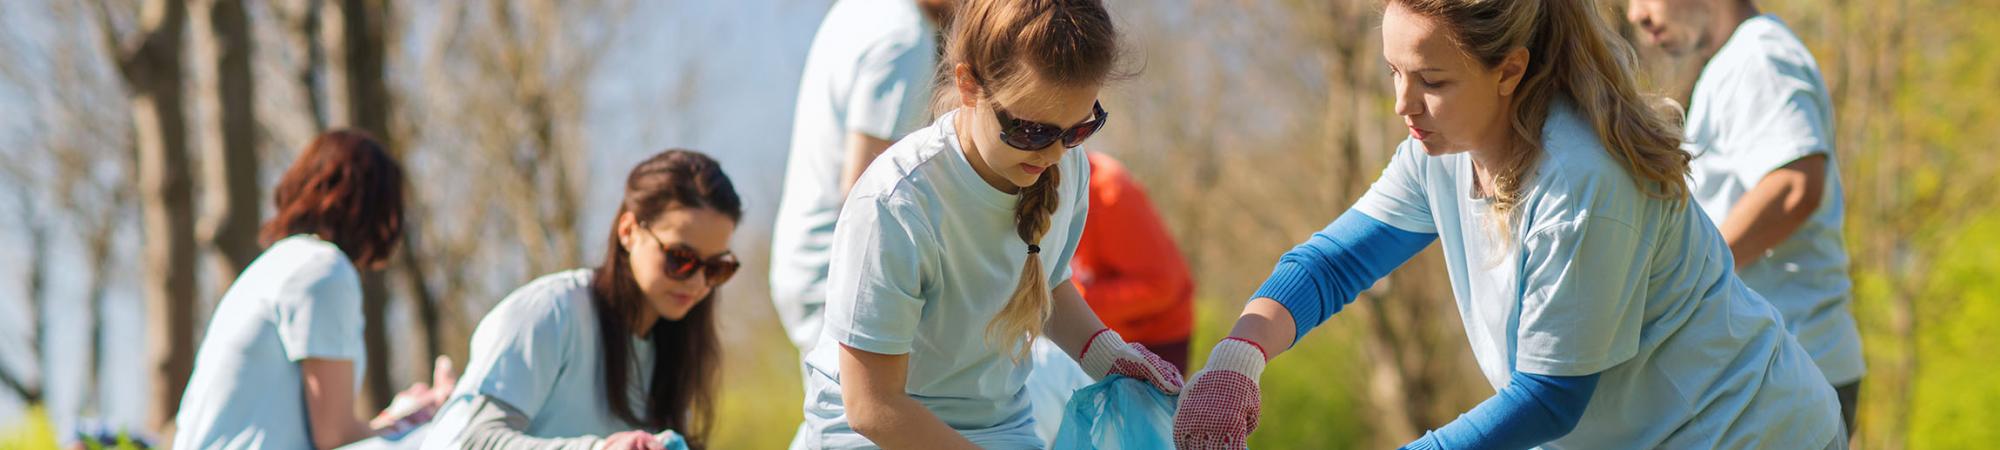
[1530,411]
[1317,278]
[1428,442]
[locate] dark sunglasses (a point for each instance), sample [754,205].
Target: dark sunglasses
[1033,136]
[682,262]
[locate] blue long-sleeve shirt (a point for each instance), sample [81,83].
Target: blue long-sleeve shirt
[1531,410]
[1318,278]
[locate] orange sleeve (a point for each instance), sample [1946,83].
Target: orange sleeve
[1133,275]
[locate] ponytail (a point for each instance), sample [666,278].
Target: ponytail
[1017,325]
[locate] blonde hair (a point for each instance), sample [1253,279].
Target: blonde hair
[1571,51]
[1005,44]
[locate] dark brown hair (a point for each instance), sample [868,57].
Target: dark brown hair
[685,352]
[346,189]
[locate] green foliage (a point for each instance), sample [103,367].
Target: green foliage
[34,431]
[1956,401]
[1311,394]
[761,403]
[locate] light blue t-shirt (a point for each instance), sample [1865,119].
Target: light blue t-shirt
[925,255]
[1598,277]
[1054,379]
[300,299]
[869,71]
[1761,104]
[539,352]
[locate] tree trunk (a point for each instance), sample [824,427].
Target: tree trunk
[305,34]
[377,390]
[229,227]
[355,31]
[151,67]
[429,317]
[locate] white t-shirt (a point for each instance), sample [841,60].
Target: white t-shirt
[869,71]
[300,299]
[1759,105]
[925,255]
[539,352]
[1598,277]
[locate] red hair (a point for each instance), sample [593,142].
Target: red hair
[346,189]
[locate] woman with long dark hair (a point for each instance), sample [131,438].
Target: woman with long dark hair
[617,356]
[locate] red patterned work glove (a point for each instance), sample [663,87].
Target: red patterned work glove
[1220,407]
[1106,353]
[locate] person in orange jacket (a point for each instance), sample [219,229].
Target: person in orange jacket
[1128,268]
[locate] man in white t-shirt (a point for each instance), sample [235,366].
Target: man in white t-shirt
[867,83]
[1760,125]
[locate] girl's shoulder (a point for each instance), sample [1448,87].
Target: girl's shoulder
[925,168]
[555,298]
[906,162]
[309,251]
[1577,166]
[302,268]
[1760,58]
[1571,148]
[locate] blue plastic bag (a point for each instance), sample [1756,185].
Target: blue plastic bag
[1118,413]
[672,440]
[1052,382]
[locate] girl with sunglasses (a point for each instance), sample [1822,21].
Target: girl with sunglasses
[952,253]
[1599,301]
[612,357]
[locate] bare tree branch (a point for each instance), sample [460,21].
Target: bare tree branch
[112,38]
[19,389]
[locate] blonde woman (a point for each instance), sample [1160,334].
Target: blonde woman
[1587,280]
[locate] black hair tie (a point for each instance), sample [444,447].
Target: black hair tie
[1033,249]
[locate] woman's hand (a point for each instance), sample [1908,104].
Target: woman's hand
[1221,406]
[631,440]
[410,408]
[418,404]
[1100,351]
[444,379]
[1107,353]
